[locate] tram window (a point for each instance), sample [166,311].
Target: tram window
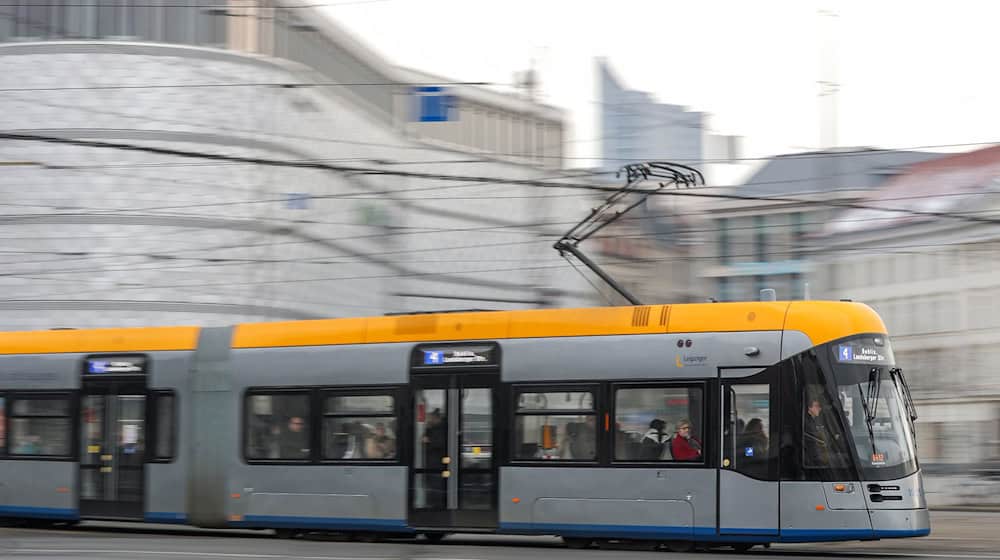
[555,426]
[165,418]
[650,422]
[823,443]
[40,426]
[748,433]
[359,427]
[277,426]
[813,443]
[3,426]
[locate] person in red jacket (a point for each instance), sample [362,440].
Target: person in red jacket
[683,446]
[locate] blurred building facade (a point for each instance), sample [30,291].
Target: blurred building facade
[110,237]
[932,270]
[650,251]
[757,234]
[653,250]
[635,127]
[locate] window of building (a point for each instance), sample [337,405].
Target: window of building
[723,226]
[555,425]
[277,426]
[40,426]
[649,421]
[359,427]
[760,238]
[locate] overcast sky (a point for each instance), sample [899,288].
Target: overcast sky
[911,73]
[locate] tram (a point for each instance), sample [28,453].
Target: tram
[729,424]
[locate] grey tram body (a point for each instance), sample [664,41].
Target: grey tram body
[209,483]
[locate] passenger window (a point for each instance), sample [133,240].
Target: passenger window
[277,426]
[40,426]
[555,426]
[658,424]
[165,418]
[3,426]
[748,432]
[359,427]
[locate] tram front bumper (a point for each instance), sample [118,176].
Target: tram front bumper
[899,523]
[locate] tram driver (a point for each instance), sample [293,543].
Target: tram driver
[816,436]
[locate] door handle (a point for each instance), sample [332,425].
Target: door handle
[445,474]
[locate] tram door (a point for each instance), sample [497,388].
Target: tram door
[453,473]
[748,477]
[112,439]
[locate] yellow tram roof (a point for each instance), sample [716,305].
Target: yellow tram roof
[144,339]
[821,321]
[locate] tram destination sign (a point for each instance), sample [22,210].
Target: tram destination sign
[111,365]
[440,357]
[864,352]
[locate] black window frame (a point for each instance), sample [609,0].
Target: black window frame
[596,389]
[310,418]
[72,413]
[612,412]
[324,393]
[155,396]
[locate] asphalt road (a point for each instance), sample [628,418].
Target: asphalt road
[956,535]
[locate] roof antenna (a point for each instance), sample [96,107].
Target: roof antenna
[768,294]
[619,203]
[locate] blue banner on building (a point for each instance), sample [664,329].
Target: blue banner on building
[433,104]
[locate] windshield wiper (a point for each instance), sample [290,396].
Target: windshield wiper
[870,402]
[911,409]
[874,386]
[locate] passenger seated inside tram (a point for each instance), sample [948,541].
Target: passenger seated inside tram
[655,441]
[753,441]
[380,445]
[684,446]
[295,440]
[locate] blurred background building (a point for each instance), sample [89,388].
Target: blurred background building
[924,250]
[96,236]
[653,251]
[758,231]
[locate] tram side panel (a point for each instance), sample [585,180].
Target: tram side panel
[661,499]
[39,465]
[280,482]
[638,503]
[168,459]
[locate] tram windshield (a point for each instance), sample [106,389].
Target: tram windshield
[876,407]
